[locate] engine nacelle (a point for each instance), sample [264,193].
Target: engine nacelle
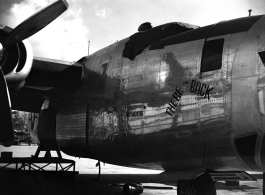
[15,61]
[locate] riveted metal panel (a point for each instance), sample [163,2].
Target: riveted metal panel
[245,101]
[245,62]
[261,79]
[187,58]
[245,106]
[183,48]
[246,96]
[259,148]
[71,130]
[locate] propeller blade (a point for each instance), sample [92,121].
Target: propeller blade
[35,22]
[6,123]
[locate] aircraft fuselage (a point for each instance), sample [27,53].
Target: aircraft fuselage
[188,101]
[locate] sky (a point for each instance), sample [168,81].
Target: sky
[103,22]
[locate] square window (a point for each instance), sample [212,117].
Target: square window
[212,55]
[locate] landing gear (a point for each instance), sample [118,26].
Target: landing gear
[202,185]
[186,188]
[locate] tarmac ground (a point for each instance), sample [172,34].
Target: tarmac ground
[112,178]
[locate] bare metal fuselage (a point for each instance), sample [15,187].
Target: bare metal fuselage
[156,112]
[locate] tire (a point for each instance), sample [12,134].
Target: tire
[186,187]
[202,185]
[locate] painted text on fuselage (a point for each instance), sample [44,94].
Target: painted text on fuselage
[200,88]
[174,101]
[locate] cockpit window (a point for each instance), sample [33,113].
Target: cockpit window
[212,55]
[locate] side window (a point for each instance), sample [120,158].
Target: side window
[212,55]
[104,68]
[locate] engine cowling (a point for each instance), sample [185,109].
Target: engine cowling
[16,62]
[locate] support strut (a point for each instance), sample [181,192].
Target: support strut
[48,146]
